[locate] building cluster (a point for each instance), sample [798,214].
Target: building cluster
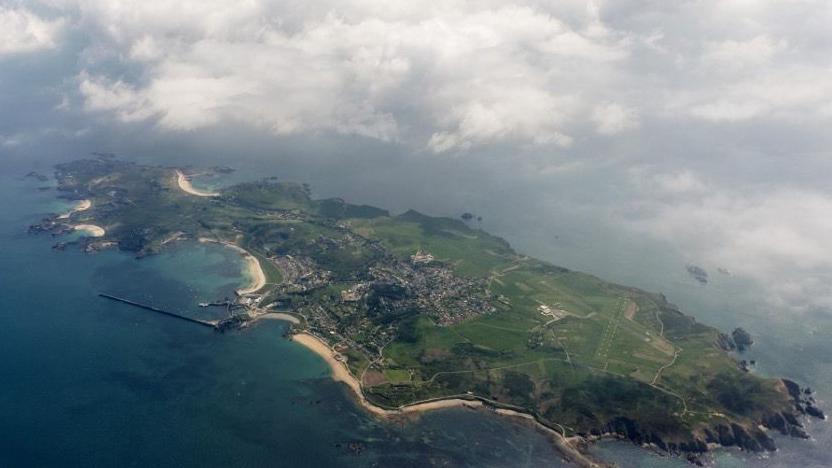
[556,312]
[435,291]
[355,293]
[300,274]
[421,258]
[367,314]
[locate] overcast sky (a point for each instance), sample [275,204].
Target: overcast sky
[705,125]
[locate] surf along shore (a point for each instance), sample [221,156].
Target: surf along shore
[341,373]
[253,268]
[185,185]
[90,229]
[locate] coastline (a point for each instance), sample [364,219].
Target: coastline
[91,229]
[186,186]
[255,271]
[340,373]
[82,205]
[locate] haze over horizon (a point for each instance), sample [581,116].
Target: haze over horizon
[700,126]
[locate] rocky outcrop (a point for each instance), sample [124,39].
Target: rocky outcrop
[793,389]
[698,273]
[631,430]
[750,437]
[37,176]
[725,342]
[742,339]
[785,423]
[815,412]
[746,366]
[739,340]
[803,400]
[735,435]
[50,226]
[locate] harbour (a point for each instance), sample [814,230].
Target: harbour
[234,321]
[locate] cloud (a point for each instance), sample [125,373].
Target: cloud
[777,237]
[757,50]
[447,78]
[664,184]
[612,118]
[456,76]
[101,94]
[790,94]
[22,32]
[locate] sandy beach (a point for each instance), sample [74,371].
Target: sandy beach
[186,186]
[340,373]
[91,229]
[441,404]
[280,316]
[82,205]
[255,271]
[566,448]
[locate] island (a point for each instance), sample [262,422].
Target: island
[698,273]
[415,312]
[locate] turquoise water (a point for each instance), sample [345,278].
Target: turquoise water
[87,382]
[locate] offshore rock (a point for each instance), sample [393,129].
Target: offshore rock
[742,339]
[815,412]
[804,402]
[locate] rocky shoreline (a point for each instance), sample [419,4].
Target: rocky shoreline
[705,440]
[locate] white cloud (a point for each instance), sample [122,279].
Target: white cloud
[757,50]
[789,93]
[455,75]
[663,184]
[449,77]
[494,115]
[21,31]
[778,237]
[729,110]
[612,118]
[101,94]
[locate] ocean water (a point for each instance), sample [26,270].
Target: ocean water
[85,382]
[88,382]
